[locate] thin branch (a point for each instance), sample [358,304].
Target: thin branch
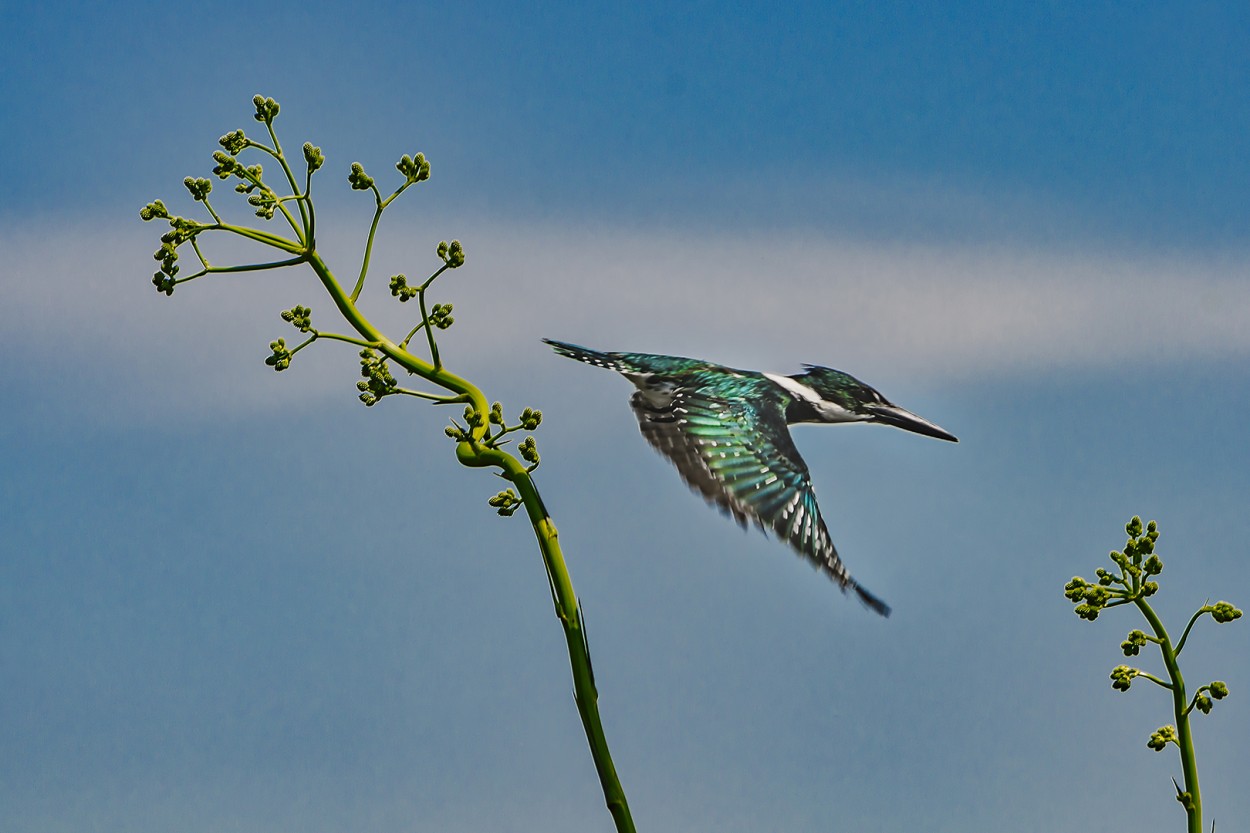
[441,399]
[1180,646]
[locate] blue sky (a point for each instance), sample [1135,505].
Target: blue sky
[231,600]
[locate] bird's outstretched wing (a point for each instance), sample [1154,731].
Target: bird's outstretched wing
[737,453]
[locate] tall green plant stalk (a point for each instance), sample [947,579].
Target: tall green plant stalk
[481,437]
[1131,584]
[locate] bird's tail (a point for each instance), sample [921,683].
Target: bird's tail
[870,601]
[585,354]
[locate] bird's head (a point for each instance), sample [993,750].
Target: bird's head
[866,404]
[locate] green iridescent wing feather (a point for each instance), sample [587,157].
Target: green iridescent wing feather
[726,433]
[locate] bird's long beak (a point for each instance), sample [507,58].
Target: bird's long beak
[900,418]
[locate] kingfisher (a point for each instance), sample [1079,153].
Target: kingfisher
[727,432]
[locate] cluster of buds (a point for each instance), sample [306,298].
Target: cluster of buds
[1092,598]
[234,142]
[180,232]
[266,109]
[505,503]
[1223,612]
[280,357]
[528,450]
[1216,690]
[313,156]
[414,168]
[472,417]
[227,166]
[1161,737]
[1137,564]
[1133,645]
[400,288]
[261,197]
[264,202]
[441,317]
[300,317]
[451,253]
[359,180]
[378,381]
[199,187]
[1122,677]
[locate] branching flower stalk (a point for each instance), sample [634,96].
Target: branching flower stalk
[479,437]
[1130,583]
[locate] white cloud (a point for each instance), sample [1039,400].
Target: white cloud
[78,302]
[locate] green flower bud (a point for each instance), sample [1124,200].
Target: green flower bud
[234,142]
[163,283]
[451,253]
[313,156]
[400,288]
[505,503]
[264,203]
[153,210]
[1223,612]
[1162,737]
[266,109]
[529,452]
[1122,677]
[226,165]
[360,181]
[300,317]
[440,316]
[414,169]
[1219,689]
[1133,645]
[280,357]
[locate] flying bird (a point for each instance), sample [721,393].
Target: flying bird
[727,432]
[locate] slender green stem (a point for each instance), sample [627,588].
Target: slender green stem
[474,453]
[1192,798]
[438,398]
[210,210]
[290,176]
[268,238]
[404,344]
[356,341]
[364,262]
[1180,646]
[243,267]
[256,267]
[312,210]
[304,344]
[1146,676]
[429,331]
[568,611]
